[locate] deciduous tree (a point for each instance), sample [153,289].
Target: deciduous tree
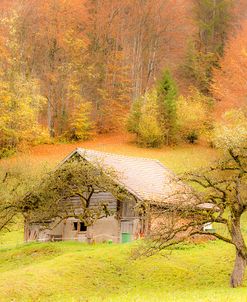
[194,115]
[45,198]
[229,84]
[219,198]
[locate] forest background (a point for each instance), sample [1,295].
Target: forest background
[166,70]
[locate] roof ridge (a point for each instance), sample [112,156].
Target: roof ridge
[169,170]
[124,156]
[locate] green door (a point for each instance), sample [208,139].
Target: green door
[126,231]
[126,237]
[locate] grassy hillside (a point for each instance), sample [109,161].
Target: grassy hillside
[178,158]
[77,272]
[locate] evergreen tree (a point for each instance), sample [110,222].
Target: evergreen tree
[199,66]
[134,116]
[213,19]
[167,96]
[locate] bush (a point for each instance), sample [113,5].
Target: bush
[193,115]
[149,130]
[7,152]
[192,137]
[231,132]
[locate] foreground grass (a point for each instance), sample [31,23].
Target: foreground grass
[70,271]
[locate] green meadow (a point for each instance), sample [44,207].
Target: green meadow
[71,271]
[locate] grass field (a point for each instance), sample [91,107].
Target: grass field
[70,271]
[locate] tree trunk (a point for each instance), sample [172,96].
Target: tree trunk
[238,270]
[241,252]
[50,117]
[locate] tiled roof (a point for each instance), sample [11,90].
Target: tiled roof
[147,179]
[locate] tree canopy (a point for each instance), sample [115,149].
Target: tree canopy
[219,197]
[44,199]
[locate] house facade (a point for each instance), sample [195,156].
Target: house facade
[146,180]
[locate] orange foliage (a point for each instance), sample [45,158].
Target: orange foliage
[151,35]
[107,52]
[229,81]
[131,42]
[43,31]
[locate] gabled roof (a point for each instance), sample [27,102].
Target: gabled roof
[146,179]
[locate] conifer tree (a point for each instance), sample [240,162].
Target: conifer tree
[134,116]
[213,19]
[167,96]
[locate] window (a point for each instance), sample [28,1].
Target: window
[83,227]
[75,226]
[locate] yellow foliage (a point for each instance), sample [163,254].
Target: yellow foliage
[81,127]
[149,130]
[193,115]
[231,132]
[19,108]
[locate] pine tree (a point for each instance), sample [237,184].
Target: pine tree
[134,116]
[167,96]
[213,20]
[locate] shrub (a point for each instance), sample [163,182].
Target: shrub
[231,131]
[193,115]
[192,137]
[7,152]
[149,130]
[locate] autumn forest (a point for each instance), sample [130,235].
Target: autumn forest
[164,70]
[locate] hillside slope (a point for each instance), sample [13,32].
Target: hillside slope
[76,272]
[179,158]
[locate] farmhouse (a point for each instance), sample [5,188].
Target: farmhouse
[146,180]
